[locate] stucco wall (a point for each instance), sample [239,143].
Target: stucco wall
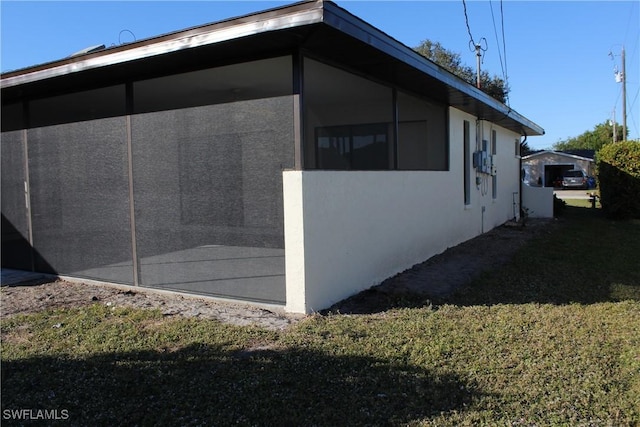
[538,201]
[346,231]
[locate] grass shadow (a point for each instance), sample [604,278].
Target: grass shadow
[211,385]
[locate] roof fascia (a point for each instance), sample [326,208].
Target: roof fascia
[361,30]
[271,20]
[573,156]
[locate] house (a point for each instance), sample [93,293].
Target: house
[545,168]
[294,156]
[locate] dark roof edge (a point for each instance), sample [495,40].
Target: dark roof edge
[348,23]
[560,153]
[282,17]
[287,16]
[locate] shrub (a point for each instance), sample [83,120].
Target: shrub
[559,206]
[618,167]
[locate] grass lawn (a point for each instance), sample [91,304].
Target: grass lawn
[553,338]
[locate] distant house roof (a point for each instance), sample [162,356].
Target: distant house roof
[587,154]
[317,26]
[567,153]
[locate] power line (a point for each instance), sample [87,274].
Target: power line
[495,31]
[503,66]
[504,49]
[477,47]
[466,20]
[629,22]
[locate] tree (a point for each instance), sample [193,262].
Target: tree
[451,61]
[525,149]
[595,139]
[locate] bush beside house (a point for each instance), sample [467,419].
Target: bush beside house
[618,168]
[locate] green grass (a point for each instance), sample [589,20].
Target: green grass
[552,338]
[589,260]
[581,203]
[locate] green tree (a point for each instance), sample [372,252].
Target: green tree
[525,149]
[452,61]
[601,135]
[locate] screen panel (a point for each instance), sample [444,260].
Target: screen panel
[348,120]
[422,137]
[16,250]
[208,197]
[80,199]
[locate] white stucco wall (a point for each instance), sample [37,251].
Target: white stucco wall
[346,231]
[538,201]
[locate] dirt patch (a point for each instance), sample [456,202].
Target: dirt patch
[435,278]
[29,298]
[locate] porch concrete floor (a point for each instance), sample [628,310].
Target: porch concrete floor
[248,273]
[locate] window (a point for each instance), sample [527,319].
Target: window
[467,163]
[358,147]
[494,152]
[573,174]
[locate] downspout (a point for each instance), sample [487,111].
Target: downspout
[524,132]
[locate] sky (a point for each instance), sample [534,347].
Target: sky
[555,54]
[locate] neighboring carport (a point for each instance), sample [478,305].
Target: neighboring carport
[545,168]
[553,174]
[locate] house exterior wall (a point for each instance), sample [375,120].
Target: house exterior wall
[199,180]
[349,230]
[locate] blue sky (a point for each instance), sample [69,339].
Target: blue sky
[557,53]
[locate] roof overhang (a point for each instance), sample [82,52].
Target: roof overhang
[319,27]
[557,153]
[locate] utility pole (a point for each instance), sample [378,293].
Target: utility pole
[624,98]
[615,134]
[621,77]
[478,56]
[479,51]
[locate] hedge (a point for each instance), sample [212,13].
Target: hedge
[618,169]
